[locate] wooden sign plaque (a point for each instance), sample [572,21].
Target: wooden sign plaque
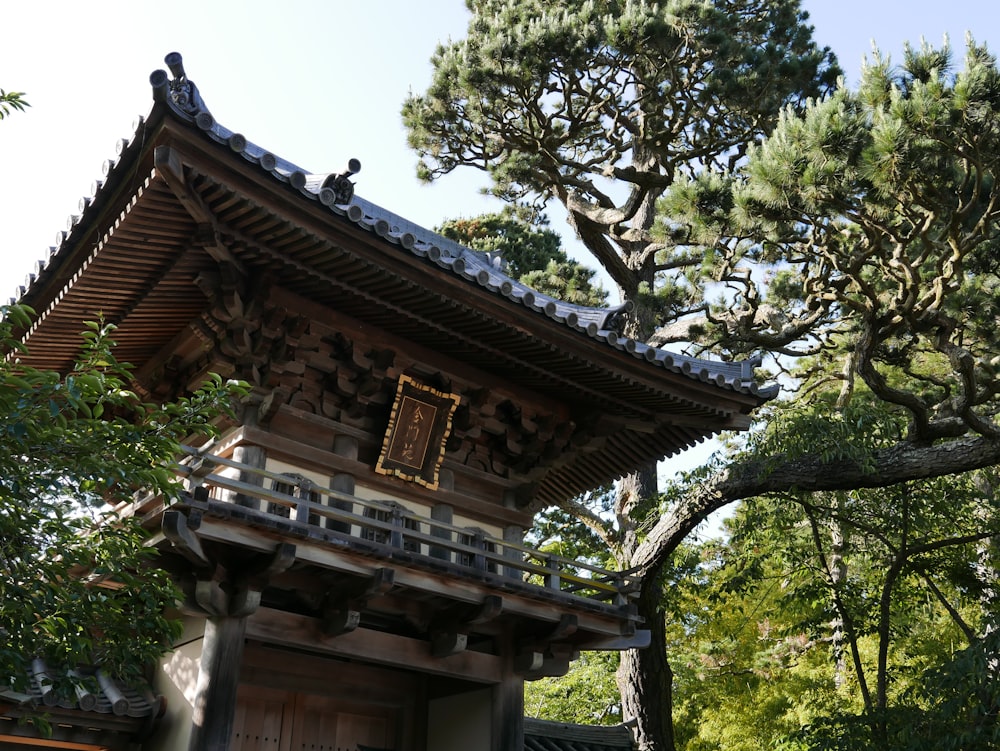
[419,426]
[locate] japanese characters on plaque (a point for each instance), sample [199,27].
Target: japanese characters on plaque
[419,426]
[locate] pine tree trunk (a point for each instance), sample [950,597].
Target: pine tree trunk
[646,681]
[838,576]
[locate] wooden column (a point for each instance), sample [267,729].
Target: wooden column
[442,512]
[218,680]
[508,704]
[256,457]
[515,535]
[345,446]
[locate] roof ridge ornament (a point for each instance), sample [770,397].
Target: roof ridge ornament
[179,91]
[341,185]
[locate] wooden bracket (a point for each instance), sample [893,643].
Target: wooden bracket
[543,656]
[491,607]
[445,644]
[247,589]
[337,622]
[271,404]
[461,617]
[552,663]
[210,597]
[217,592]
[528,662]
[567,626]
[176,528]
[382,581]
[343,604]
[266,566]
[450,632]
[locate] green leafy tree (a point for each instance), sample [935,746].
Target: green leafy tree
[11,101]
[586,695]
[76,587]
[830,613]
[601,106]
[532,253]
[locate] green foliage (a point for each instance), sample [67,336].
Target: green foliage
[858,244]
[531,253]
[867,226]
[755,643]
[568,281]
[75,586]
[599,104]
[868,222]
[11,101]
[575,83]
[559,531]
[951,707]
[816,426]
[587,694]
[525,244]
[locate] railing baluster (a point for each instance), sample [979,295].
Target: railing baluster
[303,491]
[478,559]
[441,512]
[552,580]
[396,518]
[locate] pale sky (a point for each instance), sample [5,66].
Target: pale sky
[316,82]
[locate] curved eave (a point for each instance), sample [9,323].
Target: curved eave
[180,97]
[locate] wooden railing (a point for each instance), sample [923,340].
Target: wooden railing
[390,528]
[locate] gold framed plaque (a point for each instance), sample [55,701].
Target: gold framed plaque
[419,426]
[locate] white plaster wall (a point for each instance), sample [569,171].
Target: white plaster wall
[462,722]
[176,679]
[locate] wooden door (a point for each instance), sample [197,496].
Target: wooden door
[277,720]
[263,720]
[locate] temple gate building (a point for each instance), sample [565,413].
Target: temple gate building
[352,549]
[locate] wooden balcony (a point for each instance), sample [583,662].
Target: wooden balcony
[379,564]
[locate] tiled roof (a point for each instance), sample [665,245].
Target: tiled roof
[95,692]
[100,712]
[336,192]
[543,735]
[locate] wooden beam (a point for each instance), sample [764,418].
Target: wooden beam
[211,598]
[539,605]
[366,645]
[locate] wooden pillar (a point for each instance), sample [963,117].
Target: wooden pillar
[514,535]
[218,680]
[252,456]
[508,704]
[345,446]
[442,512]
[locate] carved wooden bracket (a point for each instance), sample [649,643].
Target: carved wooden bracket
[449,632]
[219,589]
[344,603]
[180,530]
[547,655]
[553,662]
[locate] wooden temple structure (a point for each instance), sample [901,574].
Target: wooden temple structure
[352,549]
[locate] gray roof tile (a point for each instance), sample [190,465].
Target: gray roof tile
[544,735]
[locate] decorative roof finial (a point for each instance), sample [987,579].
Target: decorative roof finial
[341,185]
[179,91]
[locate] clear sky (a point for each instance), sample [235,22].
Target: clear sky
[314,81]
